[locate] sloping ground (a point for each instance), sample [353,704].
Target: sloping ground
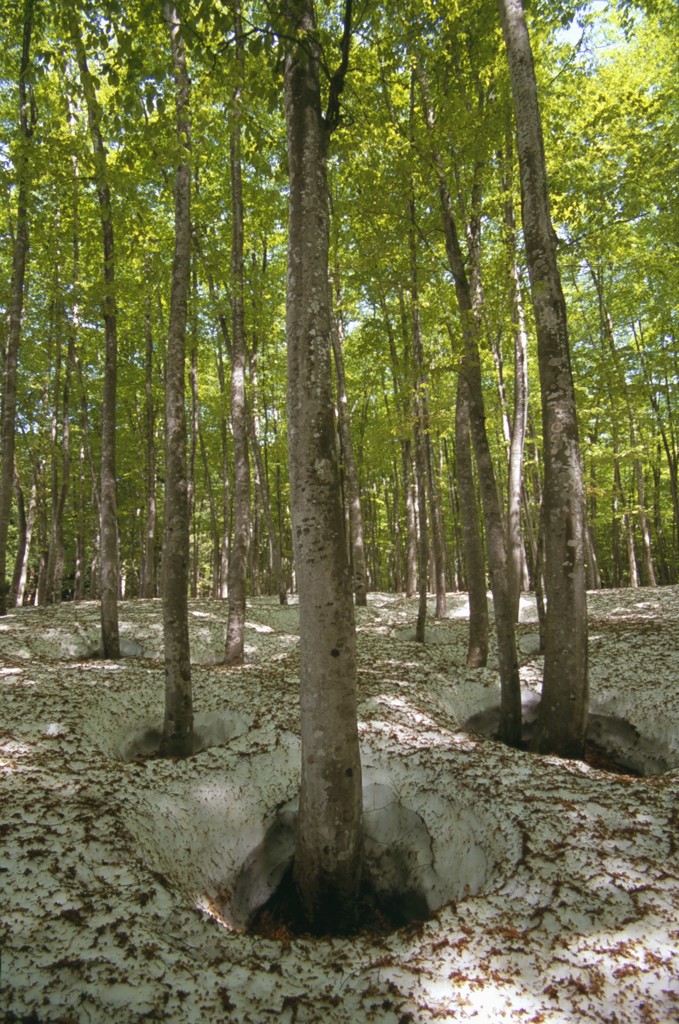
[123,884]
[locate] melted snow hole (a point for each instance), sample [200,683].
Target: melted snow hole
[227,843]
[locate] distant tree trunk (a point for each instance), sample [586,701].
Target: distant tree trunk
[563,713]
[647,567]
[193,449]
[353,490]
[403,400]
[24,527]
[238,561]
[510,685]
[477,649]
[419,430]
[108,528]
[16,304]
[515,547]
[177,737]
[148,573]
[260,469]
[60,473]
[328,858]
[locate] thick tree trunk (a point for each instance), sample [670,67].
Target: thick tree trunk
[16,305]
[328,858]
[562,721]
[238,561]
[108,528]
[177,737]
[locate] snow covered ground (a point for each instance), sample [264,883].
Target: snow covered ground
[125,883]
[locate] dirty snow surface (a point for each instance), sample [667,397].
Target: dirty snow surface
[125,882]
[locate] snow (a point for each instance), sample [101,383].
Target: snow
[126,883]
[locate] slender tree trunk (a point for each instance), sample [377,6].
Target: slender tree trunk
[177,737]
[16,304]
[238,562]
[354,494]
[148,573]
[477,650]
[419,429]
[510,685]
[328,859]
[22,542]
[108,528]
[562,721]
[647,567]
[515,547]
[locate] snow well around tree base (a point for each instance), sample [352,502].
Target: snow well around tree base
[227,844]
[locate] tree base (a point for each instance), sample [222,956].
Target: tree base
[282,916]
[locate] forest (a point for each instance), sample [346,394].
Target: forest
[607,87]
[361,315]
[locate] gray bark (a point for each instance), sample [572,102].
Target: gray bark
[477,647]
[510,685]
[238,561]
[16,305]
[328,858]
[353,490]
[562,720]
[108,527]
[177,737]
[148,572]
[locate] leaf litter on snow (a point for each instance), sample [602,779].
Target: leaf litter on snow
[551,886]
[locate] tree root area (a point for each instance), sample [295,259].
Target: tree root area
[282,917]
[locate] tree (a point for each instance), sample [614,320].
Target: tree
[235,635]
[562,721]
[328,857]
[16,308]
[108,516]
[178,725]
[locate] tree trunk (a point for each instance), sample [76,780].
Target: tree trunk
[16,304]
[420,427]
[515,546]
[328,859]
[108,528]
[354,494]
[477,649]
[562,720]
[177,737]
[148,571]
[510,685]
[238,561]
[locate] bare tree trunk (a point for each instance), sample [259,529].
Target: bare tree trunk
[647,567]
[238,562]
[328,859]
[419,428]
[515,547]
[108,529]
[23,544]
[177,737]
[16,304]
[148,573]
[562,720]
[354,494]
[477,649]
[510,685]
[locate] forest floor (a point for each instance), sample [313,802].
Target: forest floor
[126,883]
